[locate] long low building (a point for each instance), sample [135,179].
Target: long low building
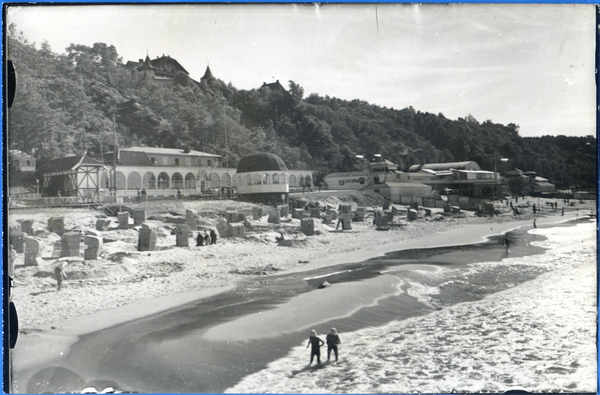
[158,171]
[403,192]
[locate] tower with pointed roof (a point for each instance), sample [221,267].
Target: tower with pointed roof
[208,76]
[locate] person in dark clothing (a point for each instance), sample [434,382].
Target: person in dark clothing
[506,242]
[280,238]
[332,341]
[60,274]
[207,239]
[316,344]
[213,237]
[200,240]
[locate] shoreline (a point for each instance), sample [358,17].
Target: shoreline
[52,343]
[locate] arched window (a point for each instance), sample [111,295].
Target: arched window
[248,179]
[275,178]
[300,181]
[282,178]
[308,181]
[190,181]
[134,181]
[149,181]
[177,181]
[292,180]
[266,179]
[163,181]
[215,181]
[257,180]
[121,181]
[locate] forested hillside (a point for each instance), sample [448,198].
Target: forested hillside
[66,103]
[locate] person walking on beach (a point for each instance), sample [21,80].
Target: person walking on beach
[333,340]
[207,240]
[534,224]
[506,242]
[315,342]
[213,237]
[59,272]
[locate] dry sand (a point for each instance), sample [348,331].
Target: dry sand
[140,283]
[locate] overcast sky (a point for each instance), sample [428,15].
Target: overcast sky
[528,64]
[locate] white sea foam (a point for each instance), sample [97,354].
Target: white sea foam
[539,336]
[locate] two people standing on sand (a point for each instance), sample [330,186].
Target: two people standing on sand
[315,342]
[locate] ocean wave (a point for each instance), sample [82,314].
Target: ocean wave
[531,325]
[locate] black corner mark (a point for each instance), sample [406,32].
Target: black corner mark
[11,83]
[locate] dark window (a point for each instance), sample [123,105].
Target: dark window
[28,163]
[176,161]
[361,180]
[341,182]
[209,162]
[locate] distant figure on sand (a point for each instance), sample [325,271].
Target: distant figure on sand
[534,224]
[59,272]
[506,242]
[12,258]
[332,341]
[207,239]
[200,240]
[316,344]
[213,236]
[280,238]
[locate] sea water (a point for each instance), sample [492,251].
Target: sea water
[538,335]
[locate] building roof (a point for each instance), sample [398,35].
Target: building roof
[349,174]
[468,165]
[164,64]
[128,158]
[16,152]
[169,151]
[208,75]
[392,184]
[260,162]
[274,86]
[70,163]
[384,163]
[146,65]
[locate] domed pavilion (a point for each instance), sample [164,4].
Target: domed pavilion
[263,178]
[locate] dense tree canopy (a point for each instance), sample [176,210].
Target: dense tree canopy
[66,104]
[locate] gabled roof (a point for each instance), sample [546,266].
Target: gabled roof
[158,65]
[274,86]
[70,163]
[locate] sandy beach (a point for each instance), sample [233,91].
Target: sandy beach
[126,284]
